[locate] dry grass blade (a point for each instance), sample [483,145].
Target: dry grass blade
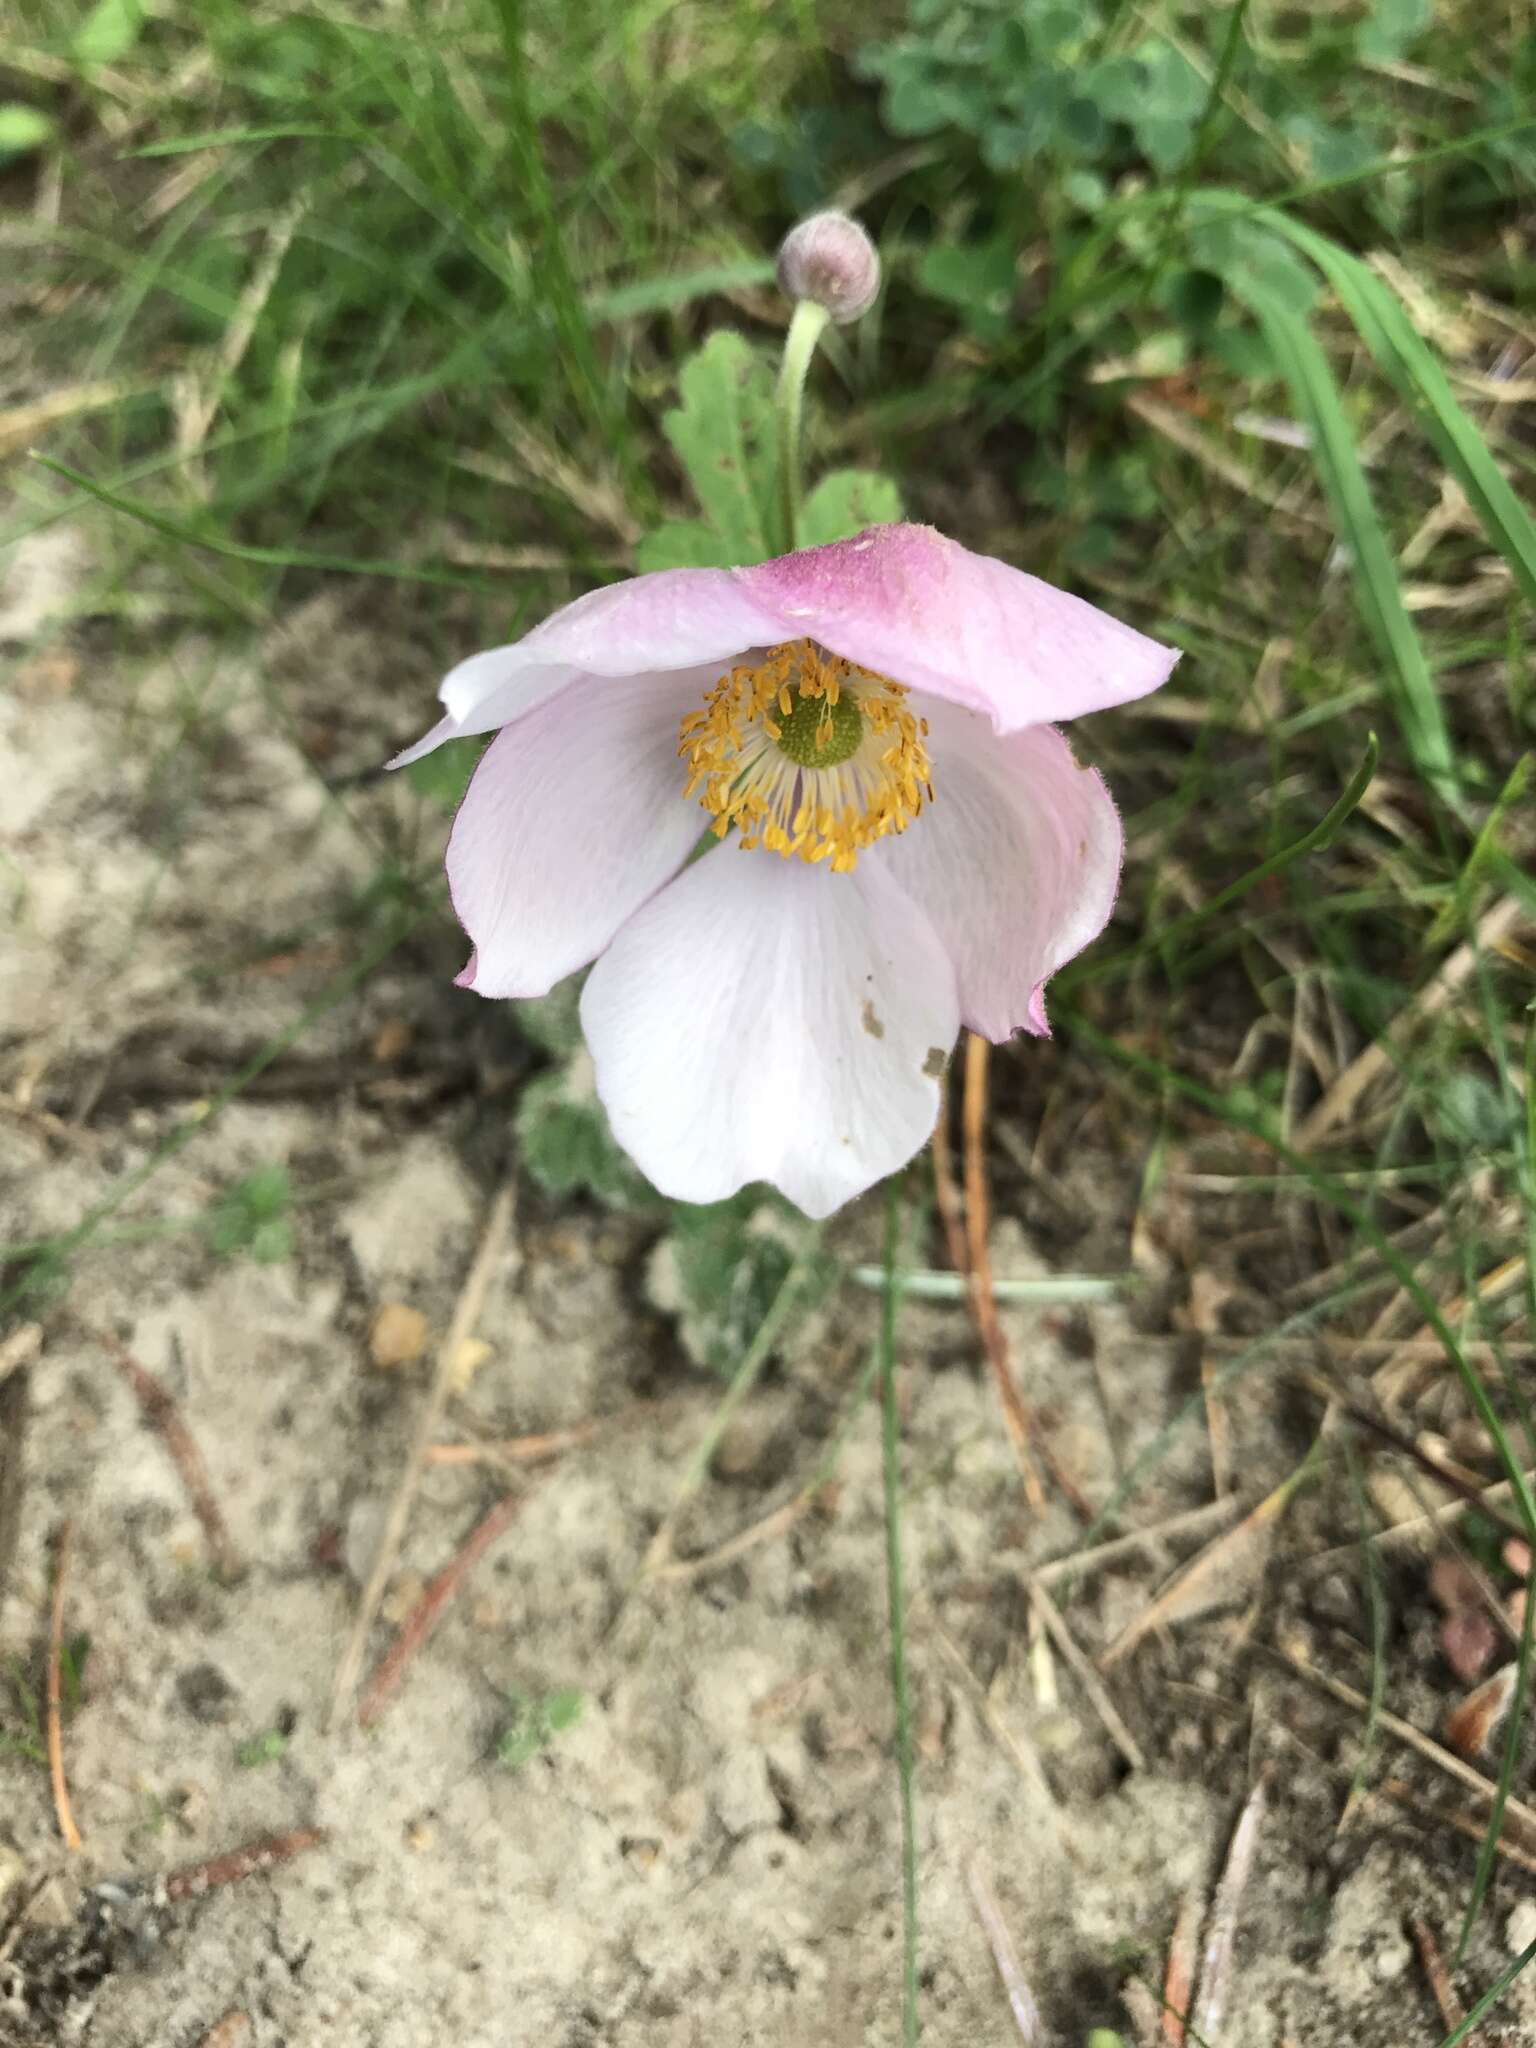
[165,1418]
[1187,1524]
[1021,2000]
[1470,1725]
[1405,1732]
[1017,1745]
[1179,1980]
[1220,1944]
[431,1607]
[63,1811]
[21,424]
[1401,1794]
[1145,2015]
[1222,1572]
[1088,1678]
[1337,1104]
[465,1315]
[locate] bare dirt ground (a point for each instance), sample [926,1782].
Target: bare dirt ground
[709,1851]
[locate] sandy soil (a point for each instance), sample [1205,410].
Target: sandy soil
[709,1854]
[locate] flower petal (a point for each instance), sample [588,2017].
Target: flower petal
[1015,864]
[671,619]
[573,818]
[910,604]
[765,1020]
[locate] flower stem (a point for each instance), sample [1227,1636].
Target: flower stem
[805,329]
[891,1439]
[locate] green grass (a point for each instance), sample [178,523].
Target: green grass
[393,300]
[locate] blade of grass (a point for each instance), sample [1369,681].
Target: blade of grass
[1421,382]
[1316,840]
[1304,366]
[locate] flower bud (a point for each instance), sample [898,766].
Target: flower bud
[830,260]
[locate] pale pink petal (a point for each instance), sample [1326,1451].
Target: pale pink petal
[574,817]
[910,604]
[1015,863]
[761,1020]
[672,619]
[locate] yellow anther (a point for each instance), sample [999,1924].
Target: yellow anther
[809,787]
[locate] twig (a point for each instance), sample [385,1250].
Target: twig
[514,1450]
[1443,1759]
[1087,1677]
[1216,1969]
[195,1879]
[1401,1794]
[777,1523]
[1016,1416]
[465,1315]
[1451,2009]
[1187,1524]
[432,1605]
[63,1811]
[1021,2001]
[165,1419]
[1416,1525]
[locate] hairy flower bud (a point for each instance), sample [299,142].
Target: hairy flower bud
[830,259]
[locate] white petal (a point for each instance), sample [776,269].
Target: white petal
[1016,862]
[670,620]
[765,1020]
[574,817]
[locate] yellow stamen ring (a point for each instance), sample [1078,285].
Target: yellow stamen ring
[842,764]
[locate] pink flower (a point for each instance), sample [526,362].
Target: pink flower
[912,846]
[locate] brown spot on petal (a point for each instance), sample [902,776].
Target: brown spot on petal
[872,1022]
[936,1062]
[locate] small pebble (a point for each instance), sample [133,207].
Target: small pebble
[398,1336]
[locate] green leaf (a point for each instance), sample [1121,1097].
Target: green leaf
[443,775]
[723,433]
[563,1709]
[1303,365]
[1394,26]
[565,1143]
[23,128]
[108,32]
[978,277]
[683,544]
[720,1268]
[267,1748]
[845,502]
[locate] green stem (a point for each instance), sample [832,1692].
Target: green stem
[805,330]
[891,1439]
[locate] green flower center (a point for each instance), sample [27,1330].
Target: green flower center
[820,734]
